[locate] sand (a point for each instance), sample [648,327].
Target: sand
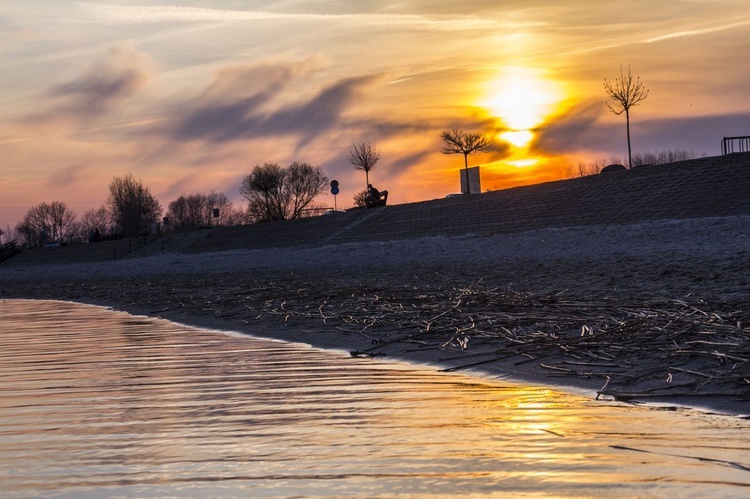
[649,312]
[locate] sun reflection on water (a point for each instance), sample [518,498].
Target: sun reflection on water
[133,406]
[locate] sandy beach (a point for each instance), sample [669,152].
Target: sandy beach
[647,312]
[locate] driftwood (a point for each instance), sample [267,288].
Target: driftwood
[669,347]
[637,350]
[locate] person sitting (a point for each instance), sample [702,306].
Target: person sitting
[374,197]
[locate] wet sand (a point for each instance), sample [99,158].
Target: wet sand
[648,312]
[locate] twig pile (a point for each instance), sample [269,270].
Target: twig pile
[650,350]
[636,351]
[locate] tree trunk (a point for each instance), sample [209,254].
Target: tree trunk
[466,169]
[627,124]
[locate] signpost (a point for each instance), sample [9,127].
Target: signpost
[334,191]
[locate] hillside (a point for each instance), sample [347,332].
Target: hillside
[706,187]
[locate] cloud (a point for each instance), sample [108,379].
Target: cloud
[118,75]
[323,112]
[404,163]
[702,134]
[235,107]
[581,130]
[67,176]
[696,32]
[578,129]
[157,14]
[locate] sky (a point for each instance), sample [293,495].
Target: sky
[189,96]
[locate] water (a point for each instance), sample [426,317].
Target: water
[97,403]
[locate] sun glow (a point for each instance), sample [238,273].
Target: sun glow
[517,138]
[523,163]
[521,99]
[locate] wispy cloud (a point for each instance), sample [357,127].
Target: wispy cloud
[227,111]
[118,75]
[154,14]
[696,32]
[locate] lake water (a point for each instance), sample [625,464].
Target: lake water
[98,403]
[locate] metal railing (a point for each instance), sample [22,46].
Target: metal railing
[139,240]
[9,249]
[735,144]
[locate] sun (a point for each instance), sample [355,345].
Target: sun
[521,99]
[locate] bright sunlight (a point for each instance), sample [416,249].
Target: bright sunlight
[521,98]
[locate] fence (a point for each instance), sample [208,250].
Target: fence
[139,240]
[9,249]
[735,144]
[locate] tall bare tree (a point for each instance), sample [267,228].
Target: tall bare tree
[459,142]
[625,92]
[363,157]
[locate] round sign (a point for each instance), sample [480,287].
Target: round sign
[334,184]
[334,190]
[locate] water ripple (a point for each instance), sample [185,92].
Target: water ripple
[95,402]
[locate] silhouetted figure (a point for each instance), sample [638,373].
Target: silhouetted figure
[375,197]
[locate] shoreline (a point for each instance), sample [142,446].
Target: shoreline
[650,312]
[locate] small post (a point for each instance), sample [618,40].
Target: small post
[334,191]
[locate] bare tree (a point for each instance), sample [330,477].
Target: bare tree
[459,142]
[131,205]
[276,193]
[47,223]
[197,210]
[96,221]
[10,234]
[625,92]
[227,213]
[364,157]
[663,157]
[304,183]
[188,212]
[262,190]
[360,199]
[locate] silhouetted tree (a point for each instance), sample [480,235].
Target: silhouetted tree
[459,142]
[10,234]
[131,205]
[663,157]
[363,157]
[262,190]
[197,210]
[639,159]
[276,193]
[47,223]
[303,183]
[360,199]
[625,92]
[583,169]
[99,220]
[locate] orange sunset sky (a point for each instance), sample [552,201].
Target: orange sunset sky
[189,95]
